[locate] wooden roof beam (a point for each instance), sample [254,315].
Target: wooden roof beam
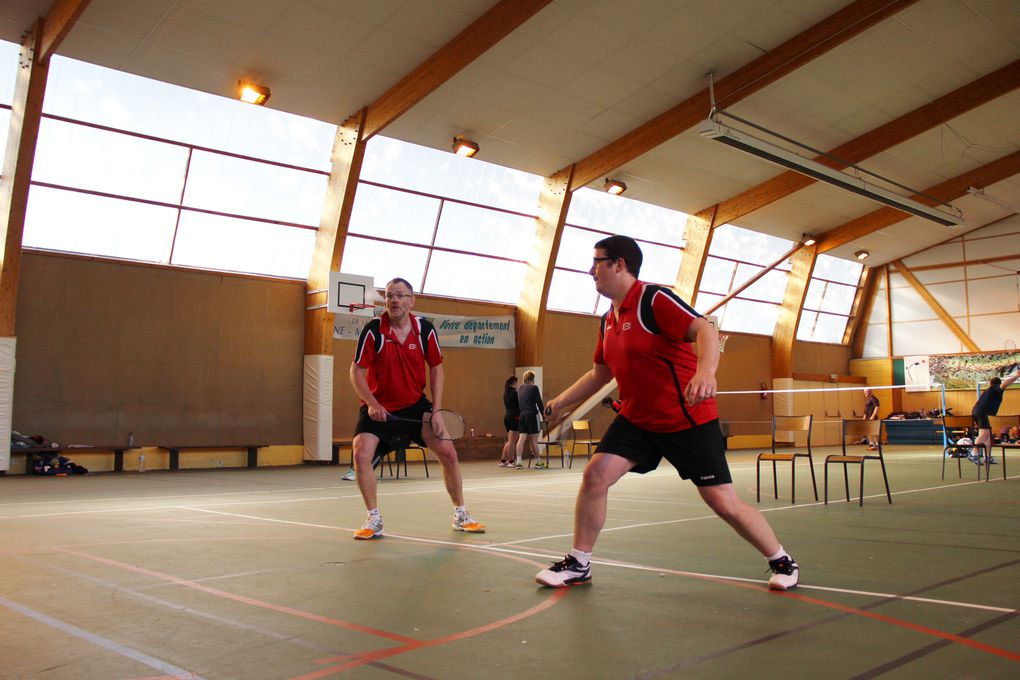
[907,126]
[857,329]
[785,334]
[831,32]
[947,191]
[59,20]
[939,310]
[497,23]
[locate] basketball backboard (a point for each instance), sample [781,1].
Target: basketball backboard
[351,294]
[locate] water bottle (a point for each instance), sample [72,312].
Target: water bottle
[141,462]
[131,439]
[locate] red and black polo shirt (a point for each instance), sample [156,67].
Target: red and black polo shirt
[651,361]
[396,371]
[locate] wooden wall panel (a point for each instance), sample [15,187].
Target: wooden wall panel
[177,357]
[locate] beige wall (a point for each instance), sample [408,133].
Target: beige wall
[177,357]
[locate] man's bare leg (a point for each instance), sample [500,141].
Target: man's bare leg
[364,446]
[604,470]
[745,520]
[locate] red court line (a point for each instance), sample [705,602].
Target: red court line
[243,599]
[356,660]
[980,646]
[807,599]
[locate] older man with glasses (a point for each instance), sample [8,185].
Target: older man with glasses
[388,373]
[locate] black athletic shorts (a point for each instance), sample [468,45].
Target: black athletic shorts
[531,423]
[981,420]
[394,434]
[698,454]
[511,423]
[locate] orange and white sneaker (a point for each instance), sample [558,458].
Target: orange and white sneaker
[371,529]
[463,522]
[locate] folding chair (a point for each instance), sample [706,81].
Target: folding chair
[956,428]
[857,429]
[544,441]
[792,425]
[580,431]
[399,454]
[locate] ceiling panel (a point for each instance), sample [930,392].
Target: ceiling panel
[582,73]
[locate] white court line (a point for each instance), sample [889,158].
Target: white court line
[106,643]
[498,548]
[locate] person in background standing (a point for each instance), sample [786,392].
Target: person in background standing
[511,421]
[531,419]
[871,413]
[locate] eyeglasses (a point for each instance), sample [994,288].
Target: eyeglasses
[399,296]
[595,260]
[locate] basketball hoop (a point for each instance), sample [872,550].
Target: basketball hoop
[722,342]
[355,305]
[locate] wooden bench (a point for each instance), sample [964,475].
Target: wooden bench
[175,452]
[33,451]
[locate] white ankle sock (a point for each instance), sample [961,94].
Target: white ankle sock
[374,513]
[582,557]
[779,553]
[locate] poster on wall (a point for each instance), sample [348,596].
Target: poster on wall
[916,373]
[480,332]
[965,371]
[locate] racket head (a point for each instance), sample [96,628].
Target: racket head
[448,425]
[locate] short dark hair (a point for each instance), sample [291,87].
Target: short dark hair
[623,248]
[995,381]
[403,281]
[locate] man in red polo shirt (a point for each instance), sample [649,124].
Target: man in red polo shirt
[668,410]
[388,373]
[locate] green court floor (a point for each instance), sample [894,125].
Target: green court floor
[253,574]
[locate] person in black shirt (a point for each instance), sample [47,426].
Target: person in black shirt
[988,405]
[871,413]
[511,421]
[531,419]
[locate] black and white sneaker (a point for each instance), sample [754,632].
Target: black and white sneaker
[785,573]
[566,572]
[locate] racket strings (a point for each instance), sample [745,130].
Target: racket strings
[452,424]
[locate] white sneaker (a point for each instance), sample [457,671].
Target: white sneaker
[566,572]
[373,527]
[350,476]
[785,573]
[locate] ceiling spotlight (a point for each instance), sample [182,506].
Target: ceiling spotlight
[462,146]
[250,93]
[862,254]
[615,186]
[808,240]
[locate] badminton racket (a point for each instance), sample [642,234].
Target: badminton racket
[445,424]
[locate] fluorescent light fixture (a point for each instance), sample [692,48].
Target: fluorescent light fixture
[615,186]
[712,129]
[862,254]
[980,193]
[462,146]
[808,240]
[250,93]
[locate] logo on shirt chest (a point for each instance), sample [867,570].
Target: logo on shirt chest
[412,346]
[625,326]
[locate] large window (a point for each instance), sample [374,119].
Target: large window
[451,226]
[737,255]
[593,215]
[829,300]
[133,168]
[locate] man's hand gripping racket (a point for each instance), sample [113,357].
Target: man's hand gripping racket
[445,424]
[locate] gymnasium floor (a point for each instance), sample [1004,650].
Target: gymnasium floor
[253,574]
